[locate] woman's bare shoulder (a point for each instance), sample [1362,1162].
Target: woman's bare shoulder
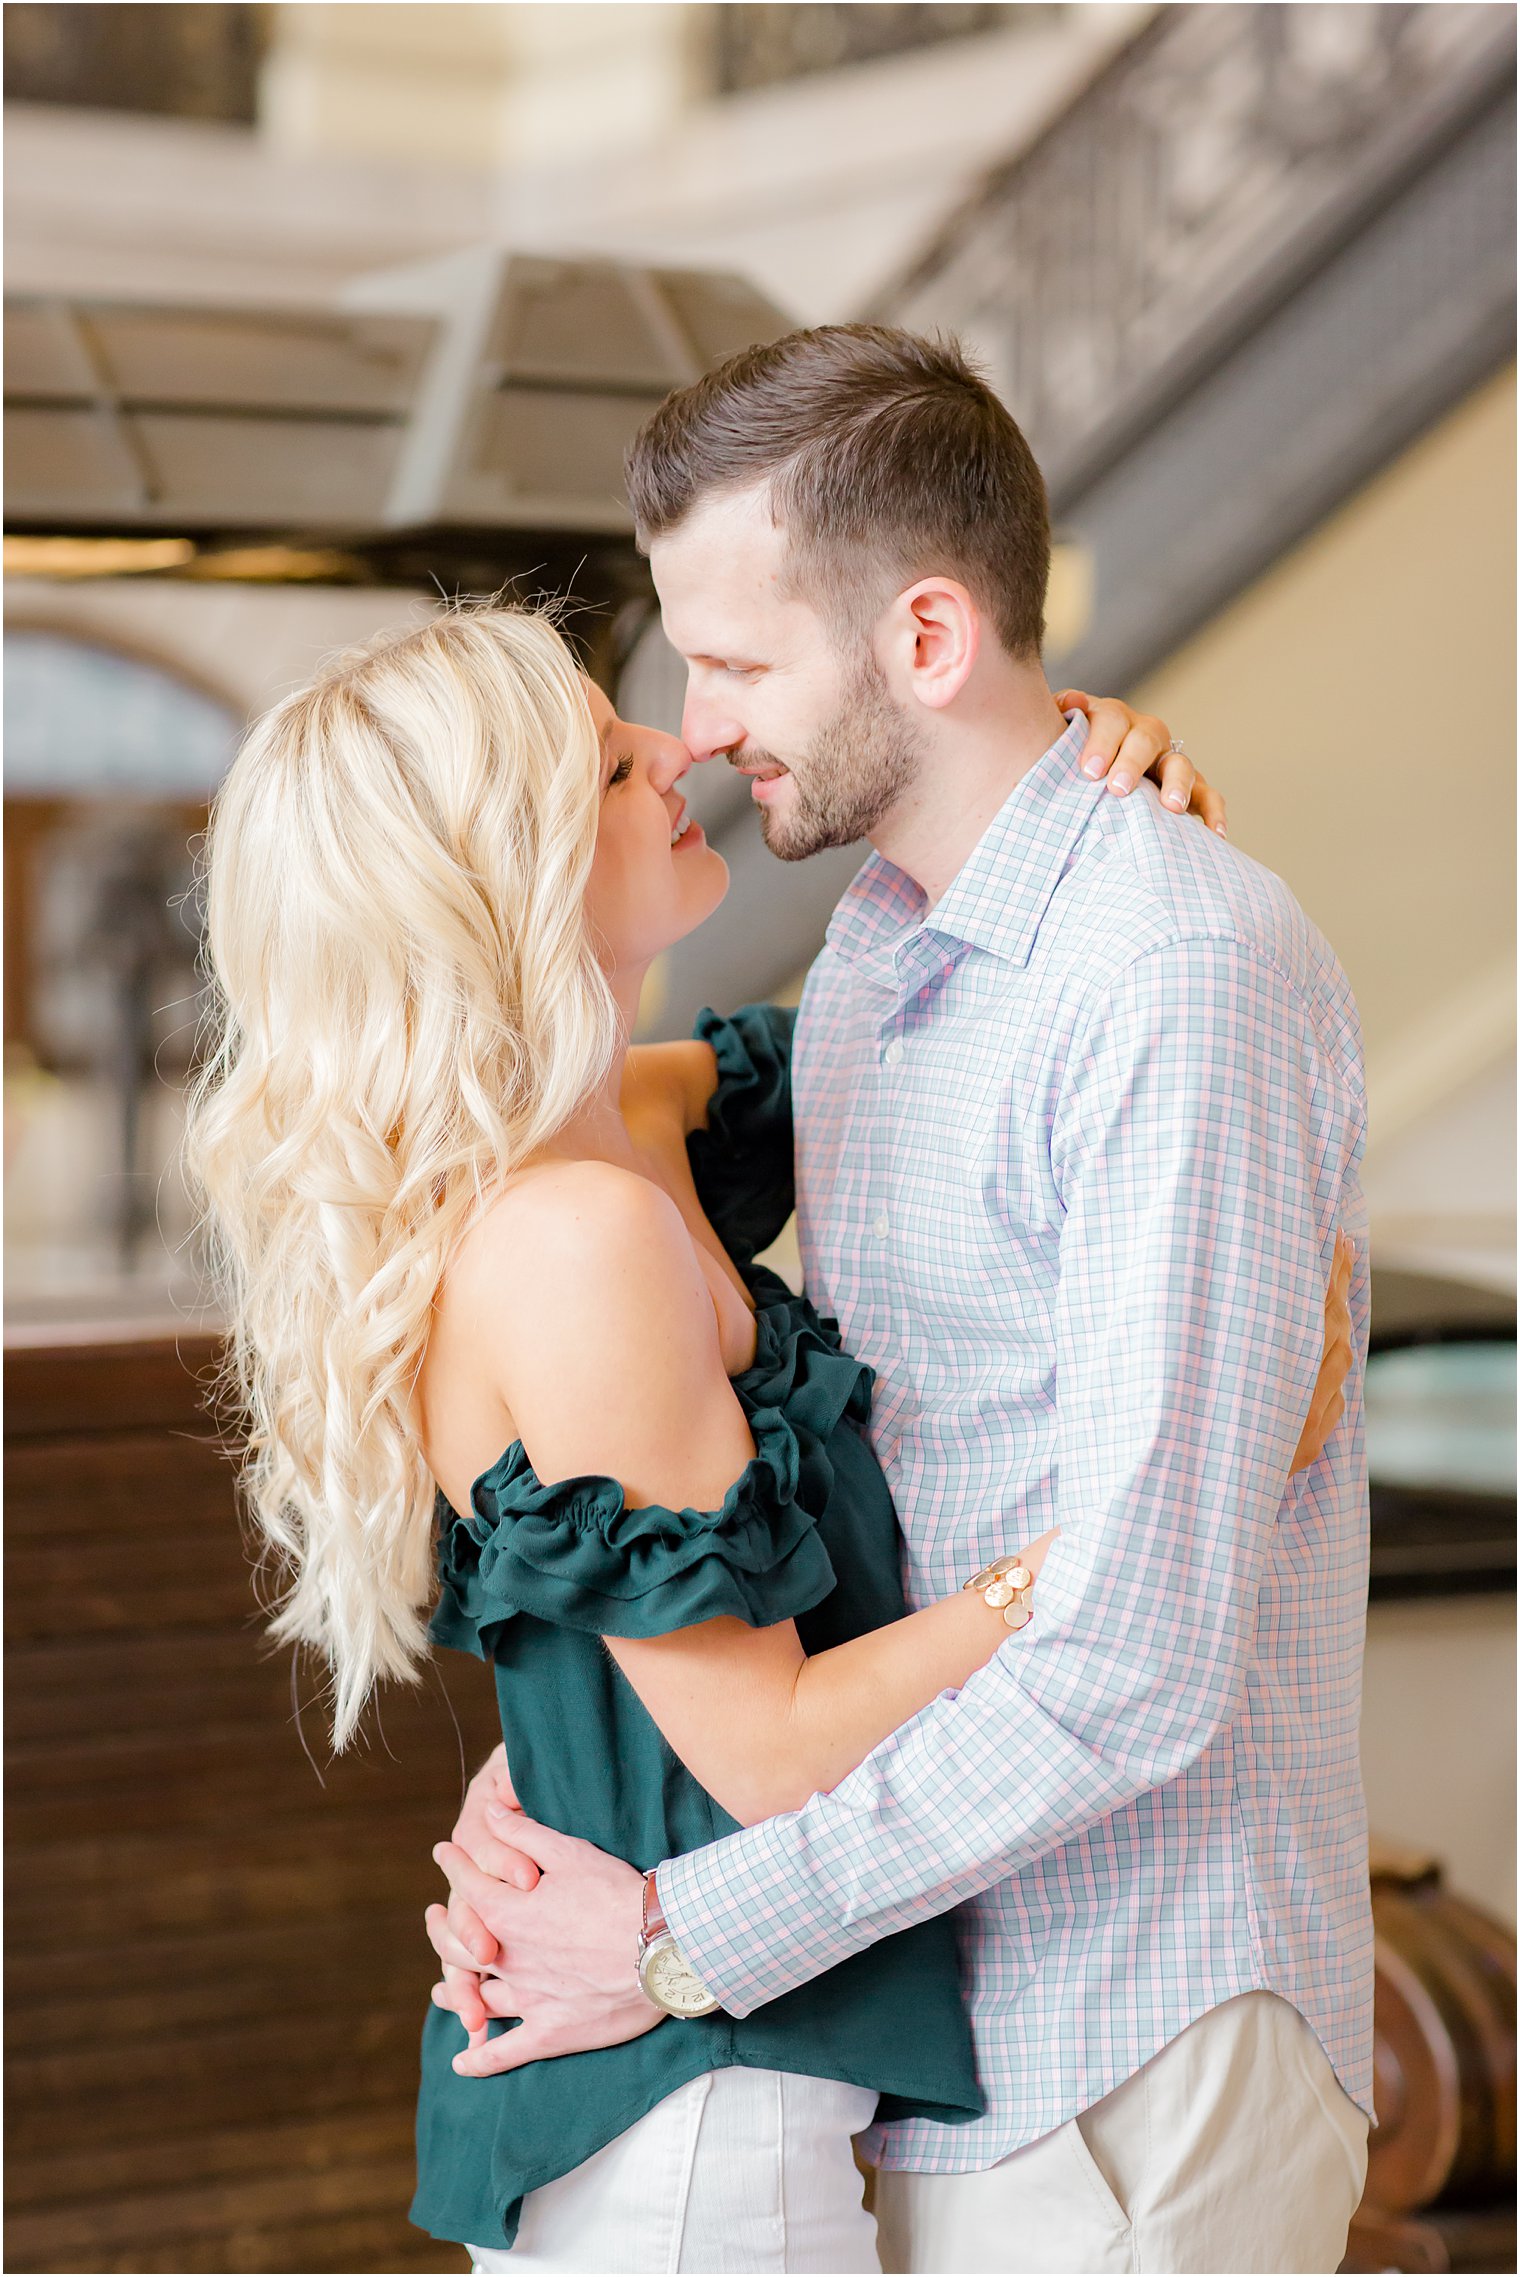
[590,1319]
[558,1226]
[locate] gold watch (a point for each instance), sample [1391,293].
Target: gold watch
[666,1975]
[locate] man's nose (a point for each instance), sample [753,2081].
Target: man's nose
[707,730]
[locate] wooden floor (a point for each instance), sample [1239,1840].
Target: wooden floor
[217,1971]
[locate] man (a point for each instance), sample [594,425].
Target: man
[1079,1108]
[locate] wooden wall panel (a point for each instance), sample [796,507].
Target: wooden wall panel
[217,1971]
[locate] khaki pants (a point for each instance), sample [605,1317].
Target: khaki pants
[1234,2148]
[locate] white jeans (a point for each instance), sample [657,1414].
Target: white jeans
[1235,2148]
[738,2170]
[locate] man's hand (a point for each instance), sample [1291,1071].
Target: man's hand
[1329,1402]
[566,1950]
[1124,745]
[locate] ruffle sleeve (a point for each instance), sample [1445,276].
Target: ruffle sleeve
[742,1162]
[574,1554]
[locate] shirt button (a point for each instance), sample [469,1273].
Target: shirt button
[893,1053]
[880,1227]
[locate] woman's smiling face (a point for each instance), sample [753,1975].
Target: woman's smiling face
[654,878]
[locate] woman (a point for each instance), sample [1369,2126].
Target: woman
[442,1191]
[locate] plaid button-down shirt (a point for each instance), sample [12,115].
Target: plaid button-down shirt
[1072,1150]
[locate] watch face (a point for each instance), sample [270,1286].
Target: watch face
[671,1980]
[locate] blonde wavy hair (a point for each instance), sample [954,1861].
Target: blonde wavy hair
[406,1003]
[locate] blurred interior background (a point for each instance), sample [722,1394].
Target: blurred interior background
[317,314]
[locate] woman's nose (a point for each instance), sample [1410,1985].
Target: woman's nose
[669,763]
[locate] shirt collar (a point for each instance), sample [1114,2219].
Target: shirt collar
[996,900]
[878,907]
[1001,892]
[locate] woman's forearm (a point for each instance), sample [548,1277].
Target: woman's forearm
[763,1725]
[846,1701]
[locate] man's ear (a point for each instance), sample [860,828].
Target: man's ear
[933,635]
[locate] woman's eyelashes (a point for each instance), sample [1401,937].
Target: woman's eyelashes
[621,771]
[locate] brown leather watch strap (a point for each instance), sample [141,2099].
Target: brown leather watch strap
[654,1922]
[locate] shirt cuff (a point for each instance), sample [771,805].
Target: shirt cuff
[747,1920]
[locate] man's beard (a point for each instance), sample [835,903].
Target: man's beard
[856,768]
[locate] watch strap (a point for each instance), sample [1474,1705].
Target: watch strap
[652,1921]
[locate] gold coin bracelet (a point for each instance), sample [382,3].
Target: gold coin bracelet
[1006,1585]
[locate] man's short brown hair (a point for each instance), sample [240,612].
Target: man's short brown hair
[874,442]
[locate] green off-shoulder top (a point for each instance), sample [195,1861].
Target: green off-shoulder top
[534,1577]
